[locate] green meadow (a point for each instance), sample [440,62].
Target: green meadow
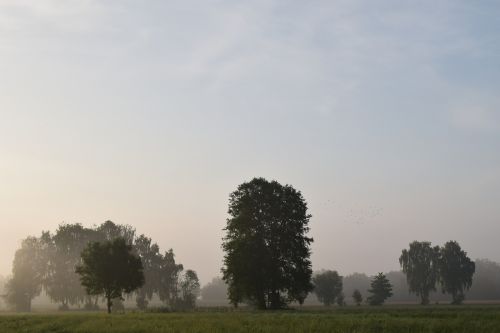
[415,319]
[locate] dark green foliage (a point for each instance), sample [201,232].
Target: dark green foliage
[357,297]
[381,290]
[28,272]
[421,265]
[455,271]
[266,260]
[110,269]
[327,287]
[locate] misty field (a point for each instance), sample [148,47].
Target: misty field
[385,319]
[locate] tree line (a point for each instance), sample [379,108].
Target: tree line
[266,262]
[76,266]
[485,287]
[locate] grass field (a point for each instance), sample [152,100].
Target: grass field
[399,319]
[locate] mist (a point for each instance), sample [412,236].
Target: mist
[385,116]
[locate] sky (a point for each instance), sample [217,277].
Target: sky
[384,114]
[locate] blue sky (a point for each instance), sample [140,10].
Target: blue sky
[384,113]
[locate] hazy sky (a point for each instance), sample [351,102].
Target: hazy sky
[385,114]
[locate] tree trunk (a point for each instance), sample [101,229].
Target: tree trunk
[109,303]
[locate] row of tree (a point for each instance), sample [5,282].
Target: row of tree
[485,287]
[426,266]
[49,263]
[328,288]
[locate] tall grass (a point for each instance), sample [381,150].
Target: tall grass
[440,319]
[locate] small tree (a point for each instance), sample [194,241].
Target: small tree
[327,286]
[357,297]
[456,271]
[381,289]
[110,269]
[420,264]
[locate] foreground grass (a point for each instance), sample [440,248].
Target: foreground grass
[441,319]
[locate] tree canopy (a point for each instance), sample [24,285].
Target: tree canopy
[110,269]
[455,271]
[380,290]
[420,264]
[328,287]
[266,247]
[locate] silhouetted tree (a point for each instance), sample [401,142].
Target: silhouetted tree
[357,297]
[28,272]
[381,289]
[266,260]
[169,277]
[189,286]
[327,286]
[110,269]
[455,271]
[421,265]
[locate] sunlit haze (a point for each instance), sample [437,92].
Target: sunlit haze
[384,114]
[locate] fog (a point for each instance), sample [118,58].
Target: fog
[384,114]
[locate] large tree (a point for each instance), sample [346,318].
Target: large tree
[110,269]
[381,289]
[455,271]
[267,250]
[420,263]
[328,287]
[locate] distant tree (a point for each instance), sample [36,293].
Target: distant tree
[357,297]
[62,284]
[151,259]
[215,292]
[355,281]
[267,252]
[189,287]
[170,271]
[327,286]
[28,273]
[421,265]
[456,271]
[381,289]
[341,299]
[110,269]
[486,281]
